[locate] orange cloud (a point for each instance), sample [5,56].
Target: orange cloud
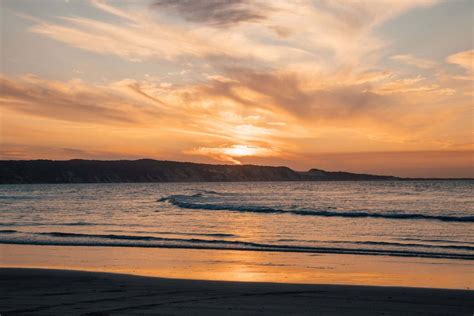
[252,117]
[73,101]
[464,60]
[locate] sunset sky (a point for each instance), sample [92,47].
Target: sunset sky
[376,86]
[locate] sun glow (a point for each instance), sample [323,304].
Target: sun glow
[241,150]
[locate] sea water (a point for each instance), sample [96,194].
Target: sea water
[433,219]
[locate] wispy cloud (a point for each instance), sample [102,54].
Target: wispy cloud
[414,61]
[218,13]
[412,85]
[242,107]
[143,36]
[72,101]
[464,60]
[16,151]
[289,32]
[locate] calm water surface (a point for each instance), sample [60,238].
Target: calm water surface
[432,219]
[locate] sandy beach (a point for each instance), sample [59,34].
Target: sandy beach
[58,280]
[38,291]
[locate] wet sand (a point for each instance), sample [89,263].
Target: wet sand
[59,280]
[247,266]
[65,292]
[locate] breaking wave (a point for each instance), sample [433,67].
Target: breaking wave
[81,239]
[192,202]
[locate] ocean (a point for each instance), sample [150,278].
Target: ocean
[431,219]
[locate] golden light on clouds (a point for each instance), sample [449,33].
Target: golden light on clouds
[234,152]
[241,150]
[272,82]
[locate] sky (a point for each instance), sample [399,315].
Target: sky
[374,86]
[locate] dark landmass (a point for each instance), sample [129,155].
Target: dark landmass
[148,170]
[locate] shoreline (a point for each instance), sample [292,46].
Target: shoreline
[247,266]
[65,291]
[311,251]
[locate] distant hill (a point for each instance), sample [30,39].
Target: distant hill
[148,170]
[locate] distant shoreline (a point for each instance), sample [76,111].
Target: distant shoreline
[159,171]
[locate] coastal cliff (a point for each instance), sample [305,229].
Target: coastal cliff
[148,170]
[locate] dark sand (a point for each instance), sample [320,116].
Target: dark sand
[63,292]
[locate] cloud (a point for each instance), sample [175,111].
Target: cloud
[344,29]
[286,92]
[373,105]
[71,101]
[412,85]
[414,61]
[20,152]
[136,42]
[143,36]
[465,60]
[249,116]
[311,35]
[240,104]
[217,13]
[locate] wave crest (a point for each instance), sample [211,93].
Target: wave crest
[192,202]
[112,240]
